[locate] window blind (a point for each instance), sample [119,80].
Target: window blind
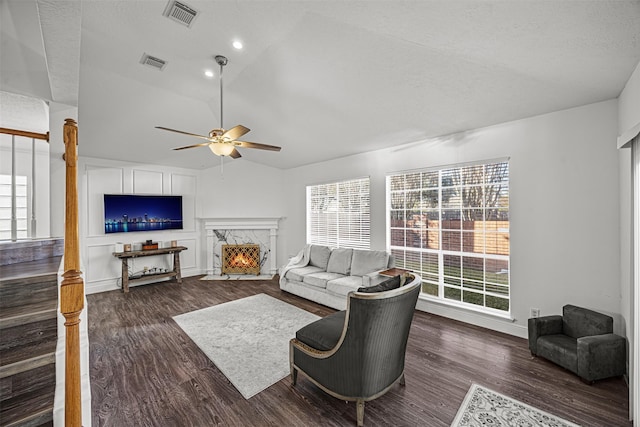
[338,214]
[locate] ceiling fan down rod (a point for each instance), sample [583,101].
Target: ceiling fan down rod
[222,61]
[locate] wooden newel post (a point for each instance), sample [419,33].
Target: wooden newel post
[72,288]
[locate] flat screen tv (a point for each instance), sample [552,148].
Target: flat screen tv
[132,212]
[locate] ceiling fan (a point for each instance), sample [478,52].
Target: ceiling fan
[223,142]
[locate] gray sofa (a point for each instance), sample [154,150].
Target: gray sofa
[581,341]
[326,275]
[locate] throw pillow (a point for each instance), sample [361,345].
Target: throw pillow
[319,256]
[387,285]
[364,262]
[340,261]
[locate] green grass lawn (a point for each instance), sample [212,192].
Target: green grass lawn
[461,287]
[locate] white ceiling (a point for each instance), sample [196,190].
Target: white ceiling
[321,79]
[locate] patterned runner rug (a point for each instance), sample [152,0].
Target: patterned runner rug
[484,407]
[247,339]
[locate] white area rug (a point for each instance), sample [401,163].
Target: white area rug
[247,339]
[483,407]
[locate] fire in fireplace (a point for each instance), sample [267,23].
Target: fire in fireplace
[241,259]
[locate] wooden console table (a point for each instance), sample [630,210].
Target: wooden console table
[124,257]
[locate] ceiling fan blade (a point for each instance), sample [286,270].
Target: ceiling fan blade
[235,132]
[247,144]
[184,133]
[193,146]
[235,154]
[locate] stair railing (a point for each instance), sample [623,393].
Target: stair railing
[72,287]
[14,218]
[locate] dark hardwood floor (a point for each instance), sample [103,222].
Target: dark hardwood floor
[145,371]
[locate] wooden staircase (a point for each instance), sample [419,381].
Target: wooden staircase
[28,337]
[28,334]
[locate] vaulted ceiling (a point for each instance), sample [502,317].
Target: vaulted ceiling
[321,79]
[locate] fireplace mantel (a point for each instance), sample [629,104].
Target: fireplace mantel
[240,223]
[268,224]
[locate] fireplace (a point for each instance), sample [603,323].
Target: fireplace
[235,231]
[241,259]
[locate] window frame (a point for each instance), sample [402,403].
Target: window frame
[433,261]
[22,207]
[346,223]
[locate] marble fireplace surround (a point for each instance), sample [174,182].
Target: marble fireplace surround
[236,231]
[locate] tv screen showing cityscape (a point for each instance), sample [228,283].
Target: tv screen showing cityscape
[131,212]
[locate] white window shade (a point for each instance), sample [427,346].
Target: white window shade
[338,214]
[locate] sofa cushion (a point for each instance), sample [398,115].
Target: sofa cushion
[320,278]
[319,256]
[364,262]
[344,285]
[297,274]
[581,322]
[387,285]
[323,334]
[561,349]
[340,261]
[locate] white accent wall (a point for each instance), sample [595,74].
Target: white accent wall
[242,189]
[564,208]
[97,177]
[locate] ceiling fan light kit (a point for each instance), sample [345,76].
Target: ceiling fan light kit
[221,148]
[223,142]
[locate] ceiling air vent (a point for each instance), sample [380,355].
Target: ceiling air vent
[180,12]
[152,61]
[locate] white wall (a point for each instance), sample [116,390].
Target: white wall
[243,189]
[97,177]
[564,206]
[628,127]
[57,167]
[629,103]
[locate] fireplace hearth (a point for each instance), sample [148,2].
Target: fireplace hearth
[241,259]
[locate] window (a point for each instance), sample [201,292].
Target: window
[338,214]
[5,207]
[451,226]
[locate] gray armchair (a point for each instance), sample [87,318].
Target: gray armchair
[581,341]
[358,354]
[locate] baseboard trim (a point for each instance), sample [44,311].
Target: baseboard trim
[106,285]
[490,322]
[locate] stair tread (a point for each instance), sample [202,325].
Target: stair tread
[26,279]
[25,365]
[12,316]
[26,353]
[37,405]
[22,270]
[28,290]
[21,383]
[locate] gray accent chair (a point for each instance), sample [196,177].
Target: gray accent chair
[581,341]
[358,354]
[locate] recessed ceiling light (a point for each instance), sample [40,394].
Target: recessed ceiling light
[208,73]
[237,44]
